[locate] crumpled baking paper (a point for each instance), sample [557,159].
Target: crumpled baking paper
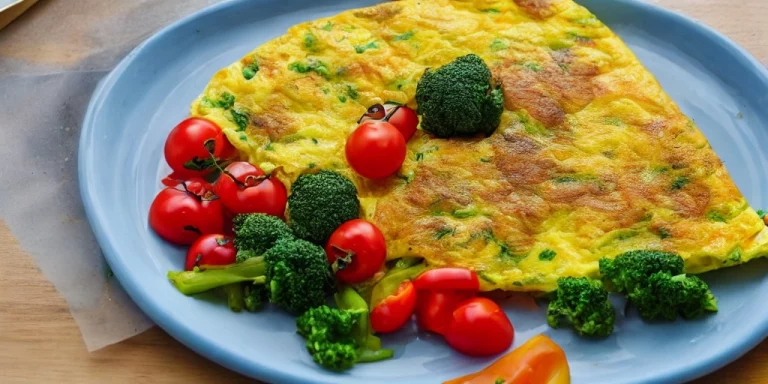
[51,60]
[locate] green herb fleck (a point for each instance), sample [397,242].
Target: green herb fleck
[309,41]
[574,178]
[517,284]
[735,255]
[327,27]
[240,118]
[485,277]
[485,160]
[498,45]
[614,121]
[352,92]
[419,156]
[547,255]
[563,66]
[407,177]
[465,213]
[664,233]
[716,216]
[679,183]
[342,98]
[591,21]
[404,36]
[250,70]
[533,66]
[311,65]
[363,48]
[493,11]
[499,381]
[314,140]
[269,146]
[443,232]
[226,100]
[311,165]
[579,38]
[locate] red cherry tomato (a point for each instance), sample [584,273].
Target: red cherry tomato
[434,309]
[244,188]
[186,150]
[182,213]
[211,249]
[448,278]
[403,118]
[376,149]
[358,249]
[479,328]
[395,310]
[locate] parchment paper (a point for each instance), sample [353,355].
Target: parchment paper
[51,59]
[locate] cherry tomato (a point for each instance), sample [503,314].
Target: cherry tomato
[376,149]
[539,361]
[395,310]
[403,118]
[434,309]
[244,188]
[187,147]
[211,249]
[479,328]
[182,213]
[448,278]
[358,249]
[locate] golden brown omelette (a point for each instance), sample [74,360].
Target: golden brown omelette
[592,158]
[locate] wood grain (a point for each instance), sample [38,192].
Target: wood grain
[39,341]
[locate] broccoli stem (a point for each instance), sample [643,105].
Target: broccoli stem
[210,277]
[370,356]
[234,296]
[388,285]
[348,299]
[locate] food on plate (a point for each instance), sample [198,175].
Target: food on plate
[356,251]
[376,149]
[582,303]
[294,271]
[538,361]
[337,338]
[244,188]
[479,328]
[319,203]
[211,249]
[255,233]
[392,312]
[655,283]
[403,118]
[548,160]
[590,158]
[186,151]
[459,99]
[182,213]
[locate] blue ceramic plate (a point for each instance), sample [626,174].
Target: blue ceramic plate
[714,81]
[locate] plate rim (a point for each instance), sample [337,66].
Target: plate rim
[152,308]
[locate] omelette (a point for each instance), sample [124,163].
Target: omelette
[591,158]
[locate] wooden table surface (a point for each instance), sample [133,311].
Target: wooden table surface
[39,341]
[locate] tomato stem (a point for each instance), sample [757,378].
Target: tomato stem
[341,262]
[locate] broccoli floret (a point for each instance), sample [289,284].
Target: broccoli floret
[632,269]
[665,296]
[320,203]
[339,338]
[295,272]
[255,297]
[584,304]
[459,99]
[298,275]
[255,233]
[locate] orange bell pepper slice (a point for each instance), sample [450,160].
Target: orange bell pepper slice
[538,361]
